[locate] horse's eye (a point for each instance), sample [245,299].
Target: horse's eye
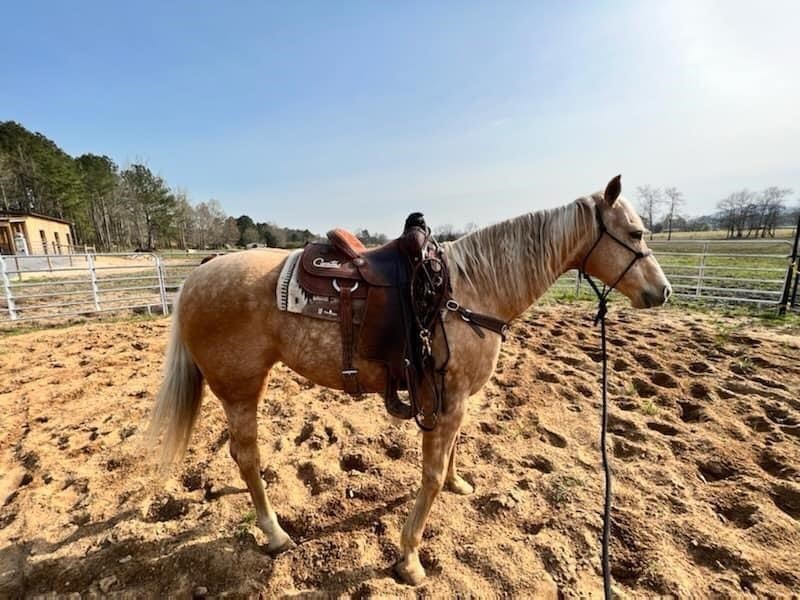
[637,235]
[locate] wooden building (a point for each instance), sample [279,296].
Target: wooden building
[30,233]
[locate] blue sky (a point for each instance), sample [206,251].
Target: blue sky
[472,112]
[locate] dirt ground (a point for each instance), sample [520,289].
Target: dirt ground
[704,436]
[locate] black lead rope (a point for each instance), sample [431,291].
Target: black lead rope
[600,318]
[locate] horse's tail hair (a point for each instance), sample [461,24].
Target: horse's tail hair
[178,400]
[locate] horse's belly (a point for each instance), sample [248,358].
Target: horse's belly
[313,348]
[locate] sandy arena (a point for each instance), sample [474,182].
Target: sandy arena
[704,433]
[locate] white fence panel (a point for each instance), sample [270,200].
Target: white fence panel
[44,286]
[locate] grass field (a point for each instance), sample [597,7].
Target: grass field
[717,234]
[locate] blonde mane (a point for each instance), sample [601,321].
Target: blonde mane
[519,259]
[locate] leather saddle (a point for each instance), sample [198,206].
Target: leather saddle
[386,300]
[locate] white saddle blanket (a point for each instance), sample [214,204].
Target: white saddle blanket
[291,297]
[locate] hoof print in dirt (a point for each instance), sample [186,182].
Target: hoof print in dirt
[395,451]
[80,518]
[269,475]
[538,462]
[393,445]
[354,461]
[552,438]
[497,503]
[167,508]
[316,479]
[716,470]
[193,478]
[787,498]
[127,431]
[777,465]
[307,434]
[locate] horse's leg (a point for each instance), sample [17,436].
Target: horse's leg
[454,482]
[241,408]
[437,448]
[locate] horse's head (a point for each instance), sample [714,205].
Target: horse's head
[618,254]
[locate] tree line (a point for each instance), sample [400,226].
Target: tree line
[119,209]
[754,214]
[741,214]
[115,208]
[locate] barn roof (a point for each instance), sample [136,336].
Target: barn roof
[23,214]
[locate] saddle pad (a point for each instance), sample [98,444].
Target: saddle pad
[290,297]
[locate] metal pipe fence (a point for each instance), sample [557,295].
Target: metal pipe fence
[738,272]
[47,287]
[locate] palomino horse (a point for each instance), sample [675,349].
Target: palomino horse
[228,331]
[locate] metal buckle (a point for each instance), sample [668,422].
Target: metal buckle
[335,285]
[349,371]
[466,315]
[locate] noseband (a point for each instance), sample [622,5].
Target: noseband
[600,318]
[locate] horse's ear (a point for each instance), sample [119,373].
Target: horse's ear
[613,190]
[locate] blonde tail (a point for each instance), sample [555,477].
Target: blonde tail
[178,400]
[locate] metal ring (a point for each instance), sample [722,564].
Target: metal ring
[335,285]
[451,305]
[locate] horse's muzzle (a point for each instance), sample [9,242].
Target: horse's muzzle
[651,299]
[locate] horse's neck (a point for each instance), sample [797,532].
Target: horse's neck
[503,269]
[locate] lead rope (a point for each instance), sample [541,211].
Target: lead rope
[600,318]
[602,309]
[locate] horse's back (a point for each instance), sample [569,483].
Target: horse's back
[231,275]
[229,303]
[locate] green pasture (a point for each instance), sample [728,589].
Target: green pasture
[717,234]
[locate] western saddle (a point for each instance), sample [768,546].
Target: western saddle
[388,302]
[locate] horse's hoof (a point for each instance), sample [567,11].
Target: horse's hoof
[280,545]
[459,486]
[410,571]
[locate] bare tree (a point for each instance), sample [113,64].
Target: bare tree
[727,217]
[6,180]
[675,201]
[738,211]
[209,220]
[230,232]
[650,199]
[770,206]
[184,218]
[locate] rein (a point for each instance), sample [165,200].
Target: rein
[602,309]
